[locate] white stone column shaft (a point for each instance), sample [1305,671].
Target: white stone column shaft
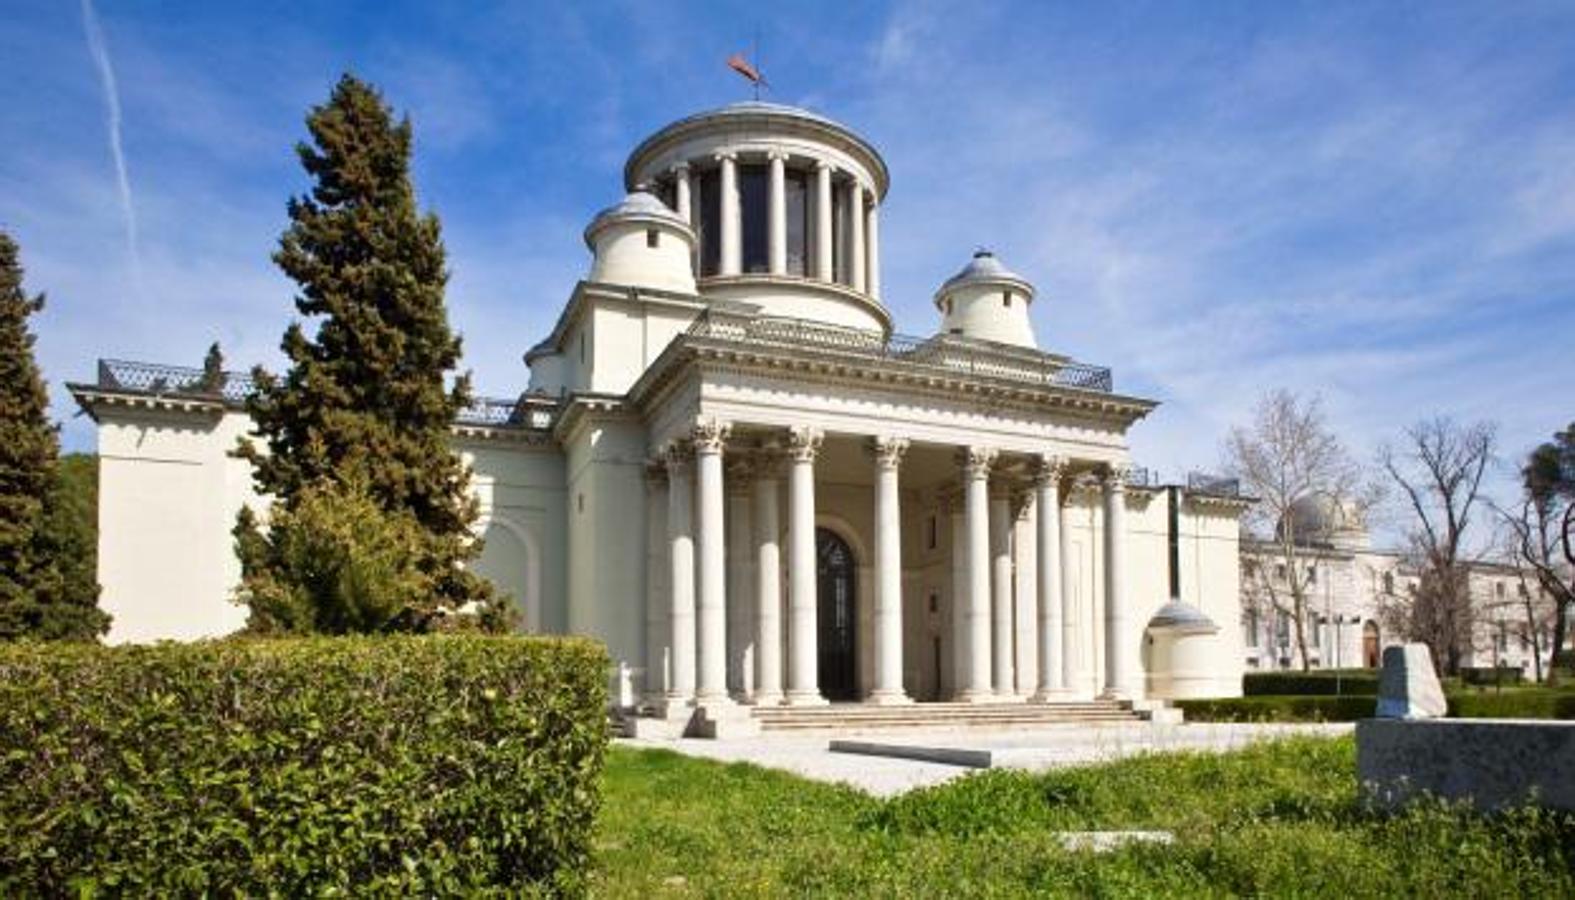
[976,474]
[872,244]
[1052,672]
[1118,676]
[732,247]
[823,256]
[768,590]
[856,260]
[959,602]
[740,580]
[681,573]
[888,454]
[1072,635]
[1001,591]
[804,659]
[777,213]
[710,539]
[657,606]
[682,188]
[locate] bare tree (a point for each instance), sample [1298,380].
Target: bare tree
[1542,538]
[1439,472]
[1305,483]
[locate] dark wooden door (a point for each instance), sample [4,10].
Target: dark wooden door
[837,616]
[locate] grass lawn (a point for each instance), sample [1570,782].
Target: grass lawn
[1281,819]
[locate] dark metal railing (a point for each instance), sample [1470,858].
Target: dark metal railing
[1141,476]
[950,353]
[1218,485]
[234,387]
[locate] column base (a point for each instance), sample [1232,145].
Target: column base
[975,695]
[806,698]
[1051,695]
[668,707]
[714,701]
[723,721]
[888,698]
[1115,693]
[766,698]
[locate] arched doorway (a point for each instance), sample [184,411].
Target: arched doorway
[1370,644]
[837,616]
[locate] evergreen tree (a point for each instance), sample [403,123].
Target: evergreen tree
[212,371]
[365,397]
[34,599]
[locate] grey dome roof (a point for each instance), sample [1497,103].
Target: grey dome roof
[985,268]
[638,205]
[1322,519]
[1178,616]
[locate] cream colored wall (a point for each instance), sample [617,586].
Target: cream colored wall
[795,298]
[605,502]
[521,493]
[978,312]
[624,256]
[168,497]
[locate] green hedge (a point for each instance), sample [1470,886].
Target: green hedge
[1293,708]
[1487,675]
[1524,703]
[1318,682]
[408,766]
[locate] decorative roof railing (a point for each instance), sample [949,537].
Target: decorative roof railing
[158,380]
[948,353]
[1217,485]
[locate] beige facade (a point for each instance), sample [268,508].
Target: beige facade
[730,469]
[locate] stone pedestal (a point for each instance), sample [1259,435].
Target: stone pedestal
[1408,688]
[1490,762]
[723,721]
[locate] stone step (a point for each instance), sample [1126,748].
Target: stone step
[924,723]
[944,715]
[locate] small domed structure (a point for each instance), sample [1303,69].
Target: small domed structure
[1325,520]
[987,301]
[641,243]
[1181,646]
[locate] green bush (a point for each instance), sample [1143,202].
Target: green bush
[1525,703]
[390,765]
[1359,682]
[1488,675]
[1291,708]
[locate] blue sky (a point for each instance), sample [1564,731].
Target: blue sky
[1373,201]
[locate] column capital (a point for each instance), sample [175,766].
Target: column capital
[656,472]
[824,166]
[739,470]
[1114,476]
[767,459]
[777,154]
[976,462]
[679,169]
[709,435]
[888,451]
[804,443]
[1049,468]
[678,455]
[725,156]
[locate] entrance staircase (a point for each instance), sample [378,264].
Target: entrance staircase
[847,717]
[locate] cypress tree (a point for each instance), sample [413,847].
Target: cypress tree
[365,398]
[34,600]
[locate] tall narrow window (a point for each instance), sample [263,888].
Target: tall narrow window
[709,186]
[796,186]
[839,235]
[754,189]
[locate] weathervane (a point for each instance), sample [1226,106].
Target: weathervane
[749,70]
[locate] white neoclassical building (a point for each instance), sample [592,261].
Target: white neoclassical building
[731,469]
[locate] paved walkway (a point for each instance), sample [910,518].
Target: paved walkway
[1034,750]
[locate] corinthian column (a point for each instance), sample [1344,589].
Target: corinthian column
[804,658]
[823,270]
[1001,588]
[731,238]
[681,574]
[739,475]
[709,437]
[1118,665]
[856,235]
[872,241]
[976,463]
[777,212]
[888,573]
[1047,483]
[768,583]
[681,193]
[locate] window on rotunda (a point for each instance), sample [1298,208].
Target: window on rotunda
[754,188]
[709,222]
[796,188]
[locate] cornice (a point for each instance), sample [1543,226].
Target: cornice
[581,409]
[91,398]
[806,285]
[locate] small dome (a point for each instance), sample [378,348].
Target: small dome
[984,268]
[1183,617]
[639,205]
[1324,520]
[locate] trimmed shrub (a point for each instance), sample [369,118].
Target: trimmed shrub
[1487,675]
[1319,682]
[430,765]
[1293,708]
[1524,703]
